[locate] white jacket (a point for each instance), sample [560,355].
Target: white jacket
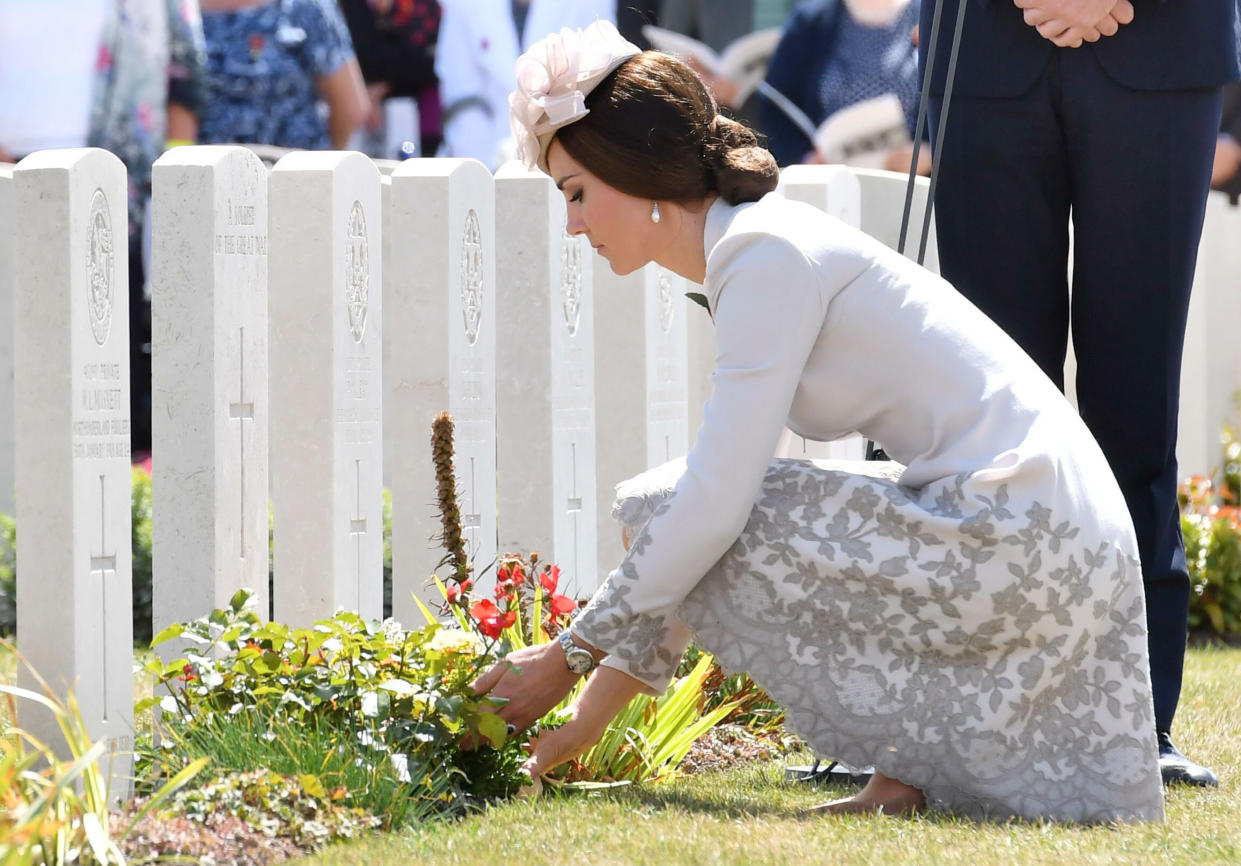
[475,55]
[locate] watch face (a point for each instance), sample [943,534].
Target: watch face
[580,661]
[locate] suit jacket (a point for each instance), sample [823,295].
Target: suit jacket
[478,48]
[1169,45]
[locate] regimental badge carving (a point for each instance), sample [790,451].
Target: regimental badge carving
[571,282]
[665,302]
[357,271]
[100,267]
[472,277]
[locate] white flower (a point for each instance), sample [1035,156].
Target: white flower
[454,640]
[553,78]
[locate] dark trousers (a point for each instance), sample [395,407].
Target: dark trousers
[139,350]
[1133,168]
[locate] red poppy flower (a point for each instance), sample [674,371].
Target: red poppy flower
[467,585]
[493,625]
[485,609]
[453,594]
[502,575]
[550,579]
[562,604]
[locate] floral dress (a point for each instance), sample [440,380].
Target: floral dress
[972,625]
[151,55]
[263,65]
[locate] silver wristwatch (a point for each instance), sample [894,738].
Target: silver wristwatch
[579,659]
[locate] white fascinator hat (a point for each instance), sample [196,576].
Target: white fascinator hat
[554,77]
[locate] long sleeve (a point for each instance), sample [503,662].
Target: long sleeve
[769,310]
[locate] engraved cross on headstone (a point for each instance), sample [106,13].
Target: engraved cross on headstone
[241,412]
[473,519]
[101,564]
[357,525]
[574,507]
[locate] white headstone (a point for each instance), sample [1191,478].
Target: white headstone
[641,362]
[71,360]
[545,382]
[326,339]
[1211,369]
[442,322]
[7,264]
[833,189]
[667,366]
[883,203]
[209,381]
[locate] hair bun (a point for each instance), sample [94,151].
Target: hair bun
[743,170]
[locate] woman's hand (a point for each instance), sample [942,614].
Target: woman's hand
[531,680]
[607,692]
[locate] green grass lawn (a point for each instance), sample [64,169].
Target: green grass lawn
[751,816]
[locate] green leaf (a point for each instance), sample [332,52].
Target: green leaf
[398,687]
[239,599]
[173,631]
[493,728]
[311,785]
[698,298]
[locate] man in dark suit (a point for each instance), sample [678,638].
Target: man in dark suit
[1108,111]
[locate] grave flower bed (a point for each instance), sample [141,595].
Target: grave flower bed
[1211,528]
[362,714]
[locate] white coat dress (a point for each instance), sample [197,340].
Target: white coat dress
[975,628]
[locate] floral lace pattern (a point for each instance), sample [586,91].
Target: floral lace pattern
[981,649]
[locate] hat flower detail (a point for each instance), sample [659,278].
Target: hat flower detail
[554,77]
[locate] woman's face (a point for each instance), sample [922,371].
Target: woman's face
[617,225]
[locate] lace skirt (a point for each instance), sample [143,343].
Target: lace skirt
[986,651]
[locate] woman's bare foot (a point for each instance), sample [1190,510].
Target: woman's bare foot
[881,794]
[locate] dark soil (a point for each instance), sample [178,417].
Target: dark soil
[222,840]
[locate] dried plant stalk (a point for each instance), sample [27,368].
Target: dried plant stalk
[446,494]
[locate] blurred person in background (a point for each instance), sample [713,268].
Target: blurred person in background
[395,43]
[479,43]
[123,75]
[718,24]
[280,72]
[632,14]
[838,53]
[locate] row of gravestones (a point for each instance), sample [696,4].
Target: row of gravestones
[300,318]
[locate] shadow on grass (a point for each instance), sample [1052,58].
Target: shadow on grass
[728,798]
[723,805]
[732,803]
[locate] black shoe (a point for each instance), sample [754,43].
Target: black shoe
[831,772]
[1177,769]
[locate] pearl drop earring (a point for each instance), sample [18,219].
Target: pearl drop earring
[655,212]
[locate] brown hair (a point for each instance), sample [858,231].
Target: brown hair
[654,131]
